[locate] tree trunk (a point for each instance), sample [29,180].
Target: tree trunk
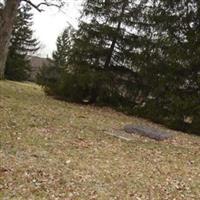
[7,18]
[112,46]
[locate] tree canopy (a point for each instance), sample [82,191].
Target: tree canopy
[141,57]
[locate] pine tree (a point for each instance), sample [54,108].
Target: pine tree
[100,31]
[98,50]
[138,56]
[50,76]
[171,65]
[64,44]
[22,43]
[156,39]
[8,12]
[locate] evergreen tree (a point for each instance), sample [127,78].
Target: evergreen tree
[156,39]
[8,12]
[141,57]
[97,56]
[100,32]
[22,43]
[64,44]
[171,68]
[50,76]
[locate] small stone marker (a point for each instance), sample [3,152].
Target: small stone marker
[150,132]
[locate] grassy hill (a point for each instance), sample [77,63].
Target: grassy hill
[51,149]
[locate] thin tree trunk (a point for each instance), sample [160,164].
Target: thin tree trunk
[7,18]
[114,41]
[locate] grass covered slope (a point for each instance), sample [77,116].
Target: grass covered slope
[55,150]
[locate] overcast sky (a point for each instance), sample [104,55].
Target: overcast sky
[49,24]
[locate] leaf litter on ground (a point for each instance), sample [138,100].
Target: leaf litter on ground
[51,149]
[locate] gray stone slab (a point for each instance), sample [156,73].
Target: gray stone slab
[149,132]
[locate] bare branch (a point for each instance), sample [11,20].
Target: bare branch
[44,3]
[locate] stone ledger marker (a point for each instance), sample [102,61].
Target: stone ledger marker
[147,131]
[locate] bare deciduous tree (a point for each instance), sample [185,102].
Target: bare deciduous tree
[8,11]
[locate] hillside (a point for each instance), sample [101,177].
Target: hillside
[51,149]
[36,63]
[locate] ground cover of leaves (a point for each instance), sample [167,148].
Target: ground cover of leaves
[51,149]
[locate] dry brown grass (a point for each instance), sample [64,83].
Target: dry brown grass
[55,150]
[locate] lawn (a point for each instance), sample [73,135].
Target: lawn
[51,149]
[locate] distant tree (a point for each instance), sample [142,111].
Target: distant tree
[63,47]
[22,43]
[8,13]
[50,75]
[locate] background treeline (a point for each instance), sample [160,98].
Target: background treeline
[140,57]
